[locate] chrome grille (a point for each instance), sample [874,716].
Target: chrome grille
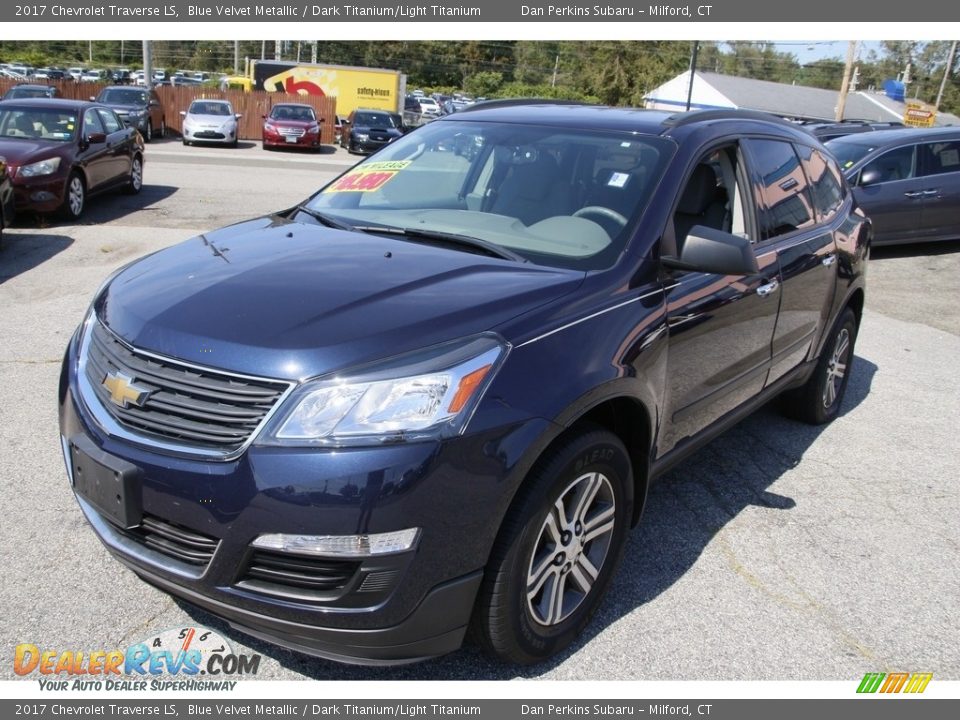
[195,407]
[292,131]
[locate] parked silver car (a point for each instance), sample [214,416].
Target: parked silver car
[210,121]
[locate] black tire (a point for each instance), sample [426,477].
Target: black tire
[539,551]
[186,142]
[74,197]
[135,184]
[163,128]
[818,401]
[148,134]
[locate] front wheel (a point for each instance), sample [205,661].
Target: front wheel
[557,550]
[148,135]
[818,401]
[163,128]
[75,197]
[135,183]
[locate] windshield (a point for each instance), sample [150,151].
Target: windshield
[292,112]
[849,152]
[559,197]
[203,107]
[123,96]
[374,119]
[37,124]
[26,92]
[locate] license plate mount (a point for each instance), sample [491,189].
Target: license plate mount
[113,486]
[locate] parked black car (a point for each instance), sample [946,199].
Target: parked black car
[825,131]
[60,152]
[366,131]
[908,182]
[138,108]
[435,393]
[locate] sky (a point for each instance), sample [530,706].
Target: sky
[809,51]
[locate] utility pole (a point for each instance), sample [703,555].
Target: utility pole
[693,71]
[148,63]
[263,49]
[90,51]
[299,43]
[277,49]
[313,52]
[556,66]
[845,85]
[236,57]
[946,74]
[121,52]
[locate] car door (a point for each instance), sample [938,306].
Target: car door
[720,326]
[891,193]
[940,173]
[119,140]
[94,156]
[792,230]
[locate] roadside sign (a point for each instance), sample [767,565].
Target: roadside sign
[917,115]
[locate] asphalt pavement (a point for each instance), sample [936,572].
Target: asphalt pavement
[779,552]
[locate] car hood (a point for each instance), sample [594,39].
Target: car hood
[125,108]
[217,120]
[292,123]
[21,152]
[280,299]
[376,128]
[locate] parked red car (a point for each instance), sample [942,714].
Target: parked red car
[59,152]
[291,125]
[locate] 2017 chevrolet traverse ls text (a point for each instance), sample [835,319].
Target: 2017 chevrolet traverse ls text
[433,395]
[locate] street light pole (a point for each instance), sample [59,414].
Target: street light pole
[693,71]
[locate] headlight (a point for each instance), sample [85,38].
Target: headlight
[423,395]
[361,136]
[44,167]
[270,126]
[136,114]
[228,126]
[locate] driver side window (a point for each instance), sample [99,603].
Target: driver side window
[91,122]
[712,197]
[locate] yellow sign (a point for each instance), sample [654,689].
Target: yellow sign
[918,115]
[368,177]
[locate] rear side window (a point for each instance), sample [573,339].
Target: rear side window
[110,121]
[941,157]
[826,189]
[783,193]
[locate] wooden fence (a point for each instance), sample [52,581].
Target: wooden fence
[251,105]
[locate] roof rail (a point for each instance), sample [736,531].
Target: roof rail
[511,102]
[685,118]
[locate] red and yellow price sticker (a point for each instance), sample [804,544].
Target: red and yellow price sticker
[368,177]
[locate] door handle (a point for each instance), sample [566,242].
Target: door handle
[767,289]
[931,192]
[828,260]
[913,194]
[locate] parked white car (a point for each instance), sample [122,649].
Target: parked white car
[210,121]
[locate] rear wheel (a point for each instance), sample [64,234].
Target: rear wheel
[148,135]
[557,549]
[818,401]
[163,128]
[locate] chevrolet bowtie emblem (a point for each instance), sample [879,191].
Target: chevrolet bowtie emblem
[123,391]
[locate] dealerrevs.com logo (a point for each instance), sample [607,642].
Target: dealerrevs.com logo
[191,658]
[888,683]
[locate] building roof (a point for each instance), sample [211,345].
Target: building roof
[712,89]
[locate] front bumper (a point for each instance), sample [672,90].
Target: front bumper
[418,604]
[41,194]
[210,136]
[274,139]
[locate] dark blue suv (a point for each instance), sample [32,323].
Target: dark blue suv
[433,396]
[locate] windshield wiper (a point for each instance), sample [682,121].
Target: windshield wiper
[325,219]
[439,237]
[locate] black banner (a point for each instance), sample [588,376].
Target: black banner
[366,709]
[219,11]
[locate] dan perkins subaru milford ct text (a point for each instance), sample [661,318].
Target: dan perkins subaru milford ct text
[433,395]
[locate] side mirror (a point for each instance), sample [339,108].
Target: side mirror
[237,116]
[713,251]
[92,99]
[870,176]
[183,113]
[96,138]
